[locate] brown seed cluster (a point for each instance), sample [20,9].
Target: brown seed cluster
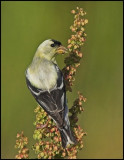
[48,137]
[74,46]
[21,144]
[76,109]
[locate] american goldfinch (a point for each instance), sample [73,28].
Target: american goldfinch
[45,81]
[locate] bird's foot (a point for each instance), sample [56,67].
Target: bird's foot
[41,126]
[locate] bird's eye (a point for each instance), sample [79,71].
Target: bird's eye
[53,45]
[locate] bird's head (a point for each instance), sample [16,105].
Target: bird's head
[49,48]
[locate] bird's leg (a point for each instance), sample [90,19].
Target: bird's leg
[41,126]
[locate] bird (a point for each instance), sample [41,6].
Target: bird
[46,83]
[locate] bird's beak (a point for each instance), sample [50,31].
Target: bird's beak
[61,50]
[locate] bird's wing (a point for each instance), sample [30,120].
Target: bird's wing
[53,101]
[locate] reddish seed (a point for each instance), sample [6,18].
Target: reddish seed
[73,12]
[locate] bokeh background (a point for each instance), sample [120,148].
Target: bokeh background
[24,26]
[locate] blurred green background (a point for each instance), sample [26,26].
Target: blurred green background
[24,26]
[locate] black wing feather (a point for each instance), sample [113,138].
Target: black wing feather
[53,101]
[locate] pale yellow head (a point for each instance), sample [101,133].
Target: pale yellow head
[49,48]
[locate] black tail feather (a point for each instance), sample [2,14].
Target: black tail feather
[70,134]
[63,139]
[65,135]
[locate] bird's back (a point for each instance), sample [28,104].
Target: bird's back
[42,76]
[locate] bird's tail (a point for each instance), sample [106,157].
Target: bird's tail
[67,136]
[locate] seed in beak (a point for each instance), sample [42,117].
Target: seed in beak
[61,50]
